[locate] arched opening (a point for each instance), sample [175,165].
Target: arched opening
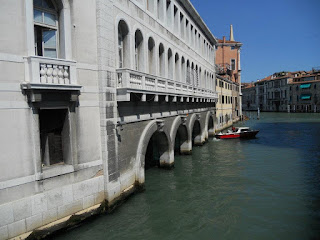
[200,77]
[123,45]
[183,70]
[196,76]
[138,43]
[177,67]
[151,56]
[188,78]
[161,60]
[211,127]
[170,64]
[196,133]
[181,140]
[192,74]
[157,150]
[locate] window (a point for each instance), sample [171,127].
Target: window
[161,60]
[232,47]
[54,136]
[233,64]
[123,44]
[138,53]
[151,56]
[45,16]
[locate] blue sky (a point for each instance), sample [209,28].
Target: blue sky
[277,35]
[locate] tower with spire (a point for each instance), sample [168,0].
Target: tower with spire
[228,73]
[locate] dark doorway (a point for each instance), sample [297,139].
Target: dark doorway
[54,135]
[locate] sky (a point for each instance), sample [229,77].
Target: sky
[277,35]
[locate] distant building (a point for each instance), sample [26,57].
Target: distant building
[228,77]
[284,92]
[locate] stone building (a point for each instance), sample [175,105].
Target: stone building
[248,97]
[93,93]
[228,72]
[304,92]
[284,92]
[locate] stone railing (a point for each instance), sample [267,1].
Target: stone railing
[136,81]
[48,73]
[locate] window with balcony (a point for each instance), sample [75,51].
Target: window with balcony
[45,16]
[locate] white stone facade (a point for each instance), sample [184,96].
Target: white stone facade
[62,79]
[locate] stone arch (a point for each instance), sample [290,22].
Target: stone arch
[154,128]
[195,135]
[206,125]
[180,130]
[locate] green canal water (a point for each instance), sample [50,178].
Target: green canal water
[264,188]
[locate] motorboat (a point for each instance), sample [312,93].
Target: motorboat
[240,132]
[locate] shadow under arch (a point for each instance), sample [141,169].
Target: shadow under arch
[211,126]
[154,143]
[180,137]
[195,131]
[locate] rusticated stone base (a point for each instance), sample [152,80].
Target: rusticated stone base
[79,218]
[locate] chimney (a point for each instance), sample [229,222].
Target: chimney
[231,33]
[224,39]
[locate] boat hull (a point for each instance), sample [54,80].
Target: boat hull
[250,134]
[227,136]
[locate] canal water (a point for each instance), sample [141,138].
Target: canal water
[264,188]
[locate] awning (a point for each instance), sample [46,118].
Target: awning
[305,97]
[306,85]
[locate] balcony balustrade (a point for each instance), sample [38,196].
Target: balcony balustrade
[130,81]
[50,74]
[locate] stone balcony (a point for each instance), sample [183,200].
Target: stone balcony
[50,74]
[130,81]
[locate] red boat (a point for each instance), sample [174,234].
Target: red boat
[241,132]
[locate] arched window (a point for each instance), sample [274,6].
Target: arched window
[183,70]
[205,79]
[161,60]
[139,61]
[188,77]
[200,77]
[123,44]
[192,74]
[196,76]
[177,67]
[45,16]
[151,56]
[170,64]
